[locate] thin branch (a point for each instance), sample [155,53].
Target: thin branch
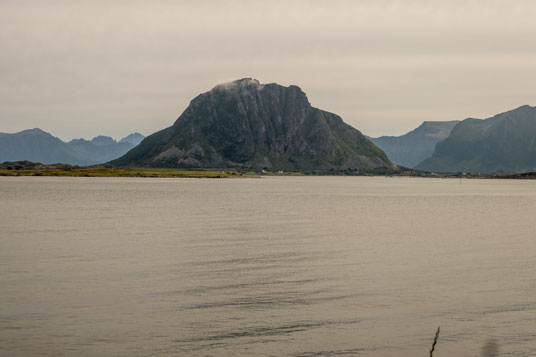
[435,342]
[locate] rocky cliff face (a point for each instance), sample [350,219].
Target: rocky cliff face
[248,125]
[505,142]
[412,148]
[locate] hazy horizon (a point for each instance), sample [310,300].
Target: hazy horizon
[87,69]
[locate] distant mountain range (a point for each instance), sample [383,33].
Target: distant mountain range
[412,148]
[39,146]
[248,125]
[505,142]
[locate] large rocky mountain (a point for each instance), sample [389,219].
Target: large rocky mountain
[505,142]
[412,148]
[39,146]
[248,125]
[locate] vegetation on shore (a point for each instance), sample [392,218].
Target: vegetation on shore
[110,172]
[27,168]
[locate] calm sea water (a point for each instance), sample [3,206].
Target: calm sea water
[278,266]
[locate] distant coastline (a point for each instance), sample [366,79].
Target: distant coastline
[27,168]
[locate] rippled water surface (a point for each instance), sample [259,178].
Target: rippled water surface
[277,266]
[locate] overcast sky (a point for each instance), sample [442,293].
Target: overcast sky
[83,68]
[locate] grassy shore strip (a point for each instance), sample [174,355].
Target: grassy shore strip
[109,172]
[36,169]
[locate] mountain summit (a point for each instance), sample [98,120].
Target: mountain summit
[248,125]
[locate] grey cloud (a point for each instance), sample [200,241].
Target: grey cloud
[81,69]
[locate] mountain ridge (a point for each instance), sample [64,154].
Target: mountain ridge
[412,148]
[38,145]
[505,142]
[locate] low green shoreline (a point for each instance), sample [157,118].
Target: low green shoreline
[109,172]
[26,168]
[112,172]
